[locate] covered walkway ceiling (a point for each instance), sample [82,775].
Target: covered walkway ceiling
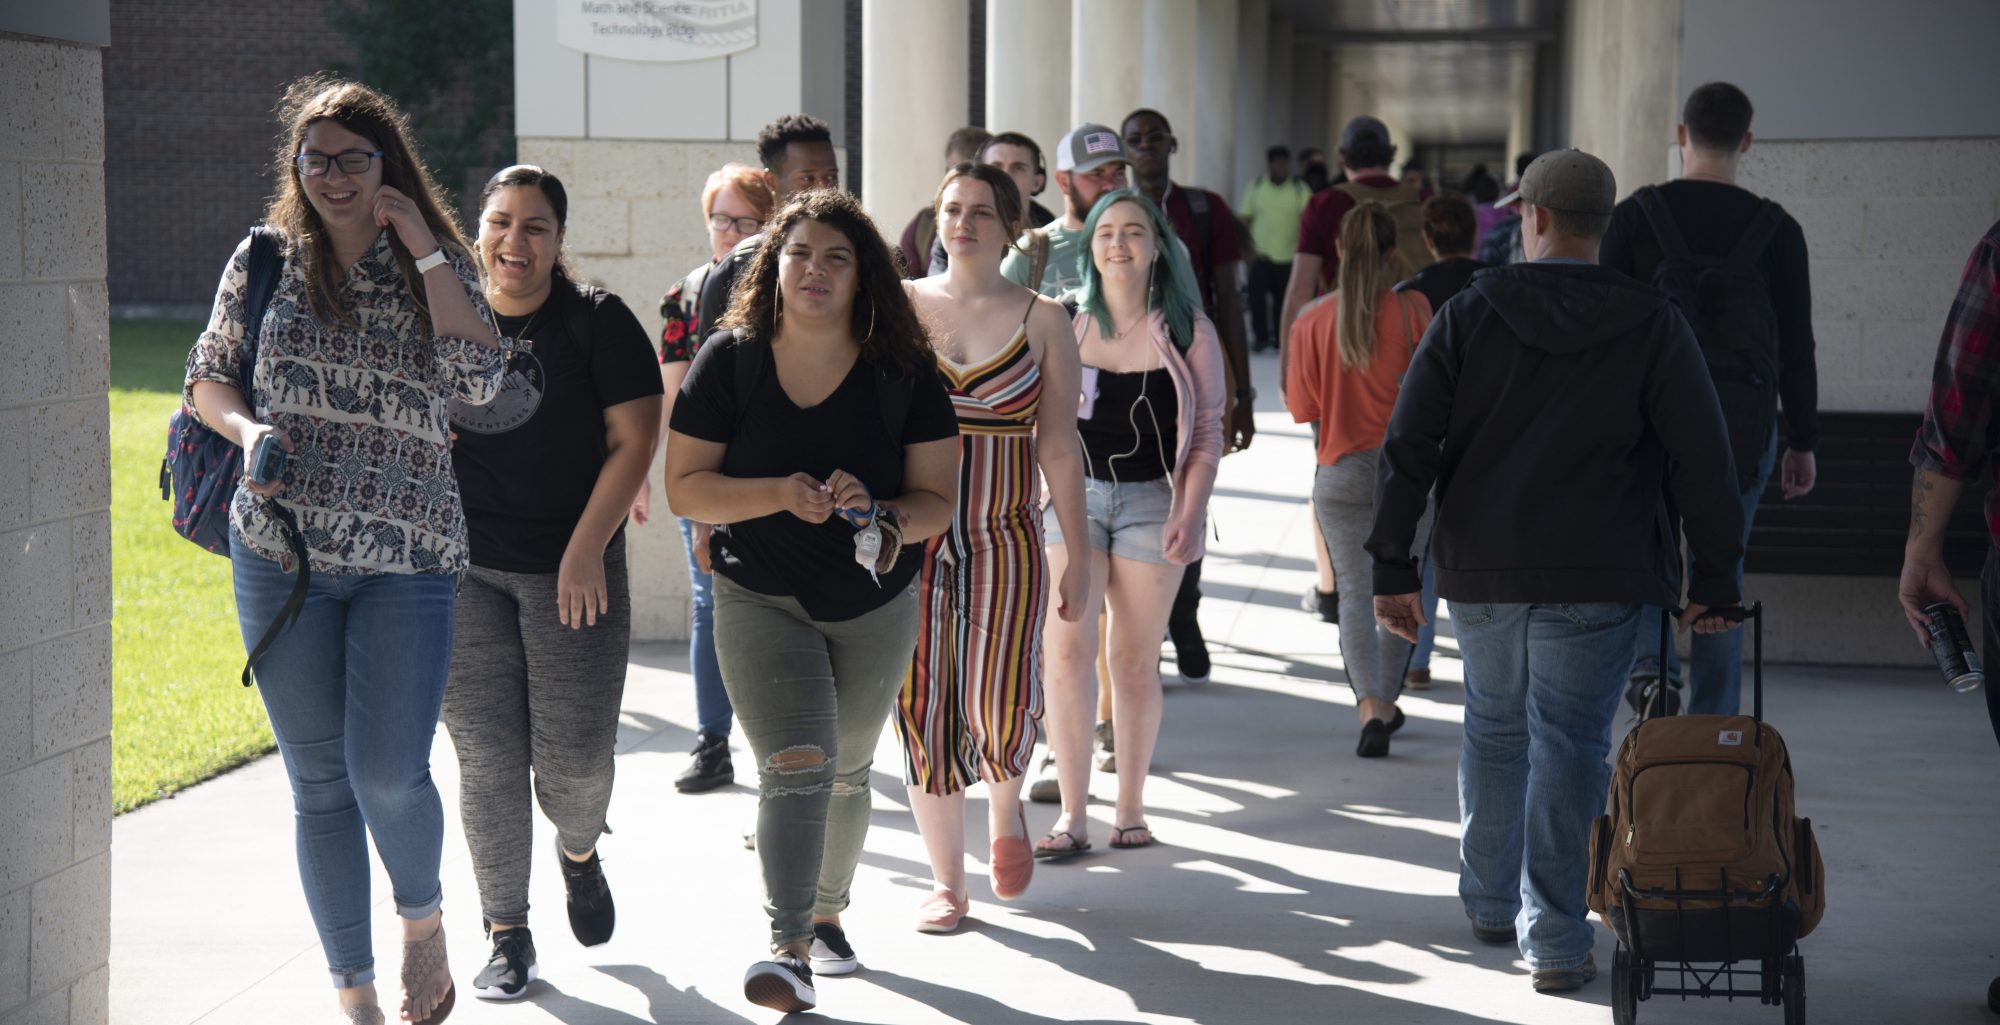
[1445,70]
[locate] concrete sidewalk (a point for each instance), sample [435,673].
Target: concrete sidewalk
[1293,882]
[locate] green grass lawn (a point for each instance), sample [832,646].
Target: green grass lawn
[178,714]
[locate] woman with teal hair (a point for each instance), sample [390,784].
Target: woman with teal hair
[1150,418]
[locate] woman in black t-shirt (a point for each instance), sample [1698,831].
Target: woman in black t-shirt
[543,623]
[819,435]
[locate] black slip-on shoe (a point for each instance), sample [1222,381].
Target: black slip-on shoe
[783,983]
[510,969]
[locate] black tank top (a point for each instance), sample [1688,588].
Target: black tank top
[1130,434]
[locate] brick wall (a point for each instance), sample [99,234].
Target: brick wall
[55,539]
[190,91]
[1888,225]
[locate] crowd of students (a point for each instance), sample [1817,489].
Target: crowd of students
[959,482]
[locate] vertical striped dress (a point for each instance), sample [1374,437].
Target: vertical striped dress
[973,699]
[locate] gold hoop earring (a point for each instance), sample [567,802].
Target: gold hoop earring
[871,324]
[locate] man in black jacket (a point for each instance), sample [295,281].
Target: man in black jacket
[1548,403]
[798,156]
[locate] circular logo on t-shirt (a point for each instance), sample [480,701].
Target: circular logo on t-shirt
[520,395]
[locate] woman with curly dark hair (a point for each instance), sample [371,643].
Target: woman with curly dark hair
[377,320]
[819,437]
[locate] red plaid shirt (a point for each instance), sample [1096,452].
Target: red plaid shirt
[1958,436]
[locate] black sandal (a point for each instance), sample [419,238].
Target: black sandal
[1119,842]
[1075,847]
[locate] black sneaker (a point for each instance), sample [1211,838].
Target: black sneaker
[783,983]
[1324,604]
[831,953]
[592,916]
[510,969]
[711,767]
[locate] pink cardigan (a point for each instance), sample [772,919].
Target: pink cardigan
[1200,394]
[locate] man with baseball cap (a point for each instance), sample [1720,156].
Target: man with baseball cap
[1090,161]
[1550,403]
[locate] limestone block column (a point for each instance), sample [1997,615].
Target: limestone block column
[1215,83]
[1167,77]
[1027,70]
[1107,43]
[1279,85]
[1253,134]
[1521,123]
[913,61]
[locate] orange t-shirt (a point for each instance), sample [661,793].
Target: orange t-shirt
[1352,406]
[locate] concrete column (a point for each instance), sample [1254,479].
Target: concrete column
[1027,70]
[1280,85]
[1521,124]
[1107,59]
[1215,98]
[55,523]
[1167,80]
[913,61]
[1623,86]
[1310,84]
[1253,84]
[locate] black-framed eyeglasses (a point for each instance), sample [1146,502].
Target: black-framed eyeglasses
[354,161]
[743,225]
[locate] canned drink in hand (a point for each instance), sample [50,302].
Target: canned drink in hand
[1952,646]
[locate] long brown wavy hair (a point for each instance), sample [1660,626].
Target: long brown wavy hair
[374,117]
[882,318]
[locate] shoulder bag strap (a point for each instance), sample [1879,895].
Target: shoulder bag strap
[295,602]
[1757,237]
[1654,206]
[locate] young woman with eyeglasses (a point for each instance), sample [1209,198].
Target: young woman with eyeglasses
[736,201]
[378,320]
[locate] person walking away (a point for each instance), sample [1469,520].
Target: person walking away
[1352,348]
[1090,161]
[1955,445]
[543,625]
[1151,425]
[1449,224]
[1500,242]
[1548,404]
[736,201]
[972,704]
[1737,264]
[1271,206]
[819,438]
[377,319]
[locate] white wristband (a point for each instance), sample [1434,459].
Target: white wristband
[436,259]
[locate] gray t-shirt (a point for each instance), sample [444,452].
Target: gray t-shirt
[1064,273]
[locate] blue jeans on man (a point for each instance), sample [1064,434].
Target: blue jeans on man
[1542,686]
[1715,675]
[353,689]
[712,711]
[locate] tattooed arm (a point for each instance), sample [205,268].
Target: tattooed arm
[1925,579]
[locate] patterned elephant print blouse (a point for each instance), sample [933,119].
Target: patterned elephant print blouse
[370,477]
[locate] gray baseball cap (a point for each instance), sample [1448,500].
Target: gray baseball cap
[1088,147]
[1566,179]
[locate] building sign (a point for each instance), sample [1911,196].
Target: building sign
[657,30]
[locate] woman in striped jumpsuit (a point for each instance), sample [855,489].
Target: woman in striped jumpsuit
[973,702]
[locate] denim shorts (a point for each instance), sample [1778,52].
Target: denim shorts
[1126,519]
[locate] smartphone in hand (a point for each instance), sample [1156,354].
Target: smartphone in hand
[267,460]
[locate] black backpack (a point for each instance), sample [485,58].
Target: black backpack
[1728,303]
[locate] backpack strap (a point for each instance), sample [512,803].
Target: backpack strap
[1757,237]
[1654,206]
[1038,256]
[1204,222]
[267,265]
[295,602]
[750,356]
[894,388]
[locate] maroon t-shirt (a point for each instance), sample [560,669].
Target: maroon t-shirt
[1319,225]
[1219,247]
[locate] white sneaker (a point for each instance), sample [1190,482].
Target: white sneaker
[1045,789]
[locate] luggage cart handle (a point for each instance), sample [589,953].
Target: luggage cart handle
[1734,614]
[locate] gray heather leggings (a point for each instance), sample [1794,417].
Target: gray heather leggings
[1344,501]
[812,698]
[528,694]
